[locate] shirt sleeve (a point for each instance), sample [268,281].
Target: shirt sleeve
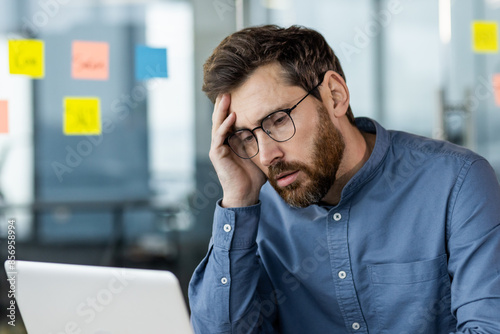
[223,292]
[474,249]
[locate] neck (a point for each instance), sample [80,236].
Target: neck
[360,148]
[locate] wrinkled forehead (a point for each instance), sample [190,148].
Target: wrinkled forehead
[262,93]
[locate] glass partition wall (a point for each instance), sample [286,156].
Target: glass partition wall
[141,191]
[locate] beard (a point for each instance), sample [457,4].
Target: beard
[328,149]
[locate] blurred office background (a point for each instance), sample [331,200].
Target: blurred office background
[142,193]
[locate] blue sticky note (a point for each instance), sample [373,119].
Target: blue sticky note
[150,62]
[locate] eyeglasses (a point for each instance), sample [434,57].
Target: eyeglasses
[278,125]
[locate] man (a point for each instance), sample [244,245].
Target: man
[330,224]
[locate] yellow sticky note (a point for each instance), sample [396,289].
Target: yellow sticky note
[90,60]
[4,117]
[26,56]
[82,116]
[484,36]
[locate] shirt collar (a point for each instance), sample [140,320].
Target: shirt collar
[376,157]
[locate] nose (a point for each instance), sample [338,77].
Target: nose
[270,151]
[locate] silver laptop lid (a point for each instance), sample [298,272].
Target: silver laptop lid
[78,299]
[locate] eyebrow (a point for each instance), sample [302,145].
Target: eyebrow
[259,121]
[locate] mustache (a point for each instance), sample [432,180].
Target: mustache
[282,166]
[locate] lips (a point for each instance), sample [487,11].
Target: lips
[286,178]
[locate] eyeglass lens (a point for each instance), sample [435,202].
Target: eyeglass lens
[279,126]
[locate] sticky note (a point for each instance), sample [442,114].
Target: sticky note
[150,62]
[26,57]
[90,60]
[496,88]
[82,116]
[484,36]
[4,117]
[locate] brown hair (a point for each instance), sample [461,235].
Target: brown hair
[303,53]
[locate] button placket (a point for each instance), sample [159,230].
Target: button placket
[337,228]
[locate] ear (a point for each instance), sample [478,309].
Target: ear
[335,94]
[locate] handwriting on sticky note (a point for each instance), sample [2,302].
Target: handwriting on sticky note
[484,36]
[82,116]
[4,117]
[90,60]
[26,57]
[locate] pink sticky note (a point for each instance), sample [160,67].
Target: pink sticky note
[496,88]
[4,117]
[90,60]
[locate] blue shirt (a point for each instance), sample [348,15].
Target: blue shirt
[412,247]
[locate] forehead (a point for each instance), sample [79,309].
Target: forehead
[263,92]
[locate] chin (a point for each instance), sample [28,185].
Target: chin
[303,200]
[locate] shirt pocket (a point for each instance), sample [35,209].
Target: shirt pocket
[412,297]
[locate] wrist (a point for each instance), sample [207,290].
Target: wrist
[235,203]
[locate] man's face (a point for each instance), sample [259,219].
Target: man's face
[302,169]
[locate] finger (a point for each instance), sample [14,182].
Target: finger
[217,102]
[220,113]
[223,131]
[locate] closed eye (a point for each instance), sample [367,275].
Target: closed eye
[280,120]
[248,139]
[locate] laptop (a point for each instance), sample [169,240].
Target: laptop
[69,299]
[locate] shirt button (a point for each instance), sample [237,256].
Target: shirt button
[337,217]
[355,326]
[342,274]
[227,228]
[223,280]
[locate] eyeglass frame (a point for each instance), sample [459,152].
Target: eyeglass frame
[288,111]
